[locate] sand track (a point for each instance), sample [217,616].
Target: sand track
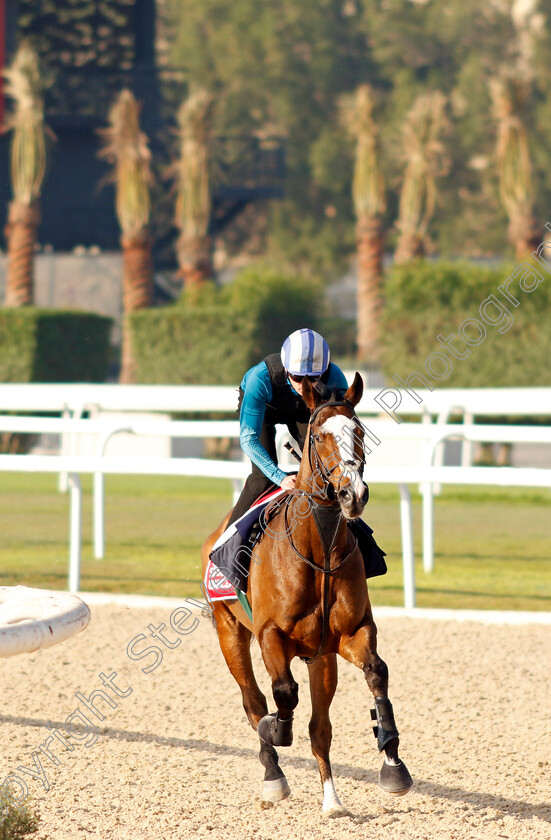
[176,757]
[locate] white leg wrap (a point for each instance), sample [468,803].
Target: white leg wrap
[331,802]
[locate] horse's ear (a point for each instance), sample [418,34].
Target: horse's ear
[311,395]
[355,392]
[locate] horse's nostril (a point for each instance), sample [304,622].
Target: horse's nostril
[365,494]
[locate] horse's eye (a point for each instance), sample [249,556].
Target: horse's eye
[317,438]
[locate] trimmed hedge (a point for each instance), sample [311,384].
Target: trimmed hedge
[425,300]
[216,335]
[175,346]
[46,345]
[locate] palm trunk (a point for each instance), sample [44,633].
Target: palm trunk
[137,293]
[21,236]
[370,247]
[195,259]
[523,235]
[409,246]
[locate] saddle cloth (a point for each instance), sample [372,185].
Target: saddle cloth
[228,564]
[229,560]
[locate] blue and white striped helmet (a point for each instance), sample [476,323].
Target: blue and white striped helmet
[305,353]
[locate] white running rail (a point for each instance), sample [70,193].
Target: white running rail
[31,619]
[402,476]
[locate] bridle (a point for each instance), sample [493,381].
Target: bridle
[317,465]
[327,517]
[332,509]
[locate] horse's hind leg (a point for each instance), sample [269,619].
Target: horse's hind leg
[361,650]
[235,642]
[323,683]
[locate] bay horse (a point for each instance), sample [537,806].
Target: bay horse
[309,598]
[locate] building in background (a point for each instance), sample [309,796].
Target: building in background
[92,50]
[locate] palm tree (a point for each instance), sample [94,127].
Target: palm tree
[368,195]
[423,153]
[510,94]
[126,147]
[193,204]
[25,85]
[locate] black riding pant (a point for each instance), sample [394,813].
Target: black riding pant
[257,483]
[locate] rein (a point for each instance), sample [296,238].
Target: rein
[327,545]
[328,519]
[319,466]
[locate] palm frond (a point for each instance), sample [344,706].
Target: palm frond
[193,206]
[25,84]
[368,190]
[510,95]
[125,146]
[424,155]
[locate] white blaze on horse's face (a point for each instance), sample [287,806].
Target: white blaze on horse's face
[348,438]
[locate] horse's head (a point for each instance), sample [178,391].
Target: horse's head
[335,447]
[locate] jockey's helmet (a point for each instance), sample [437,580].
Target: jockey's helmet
[305,353]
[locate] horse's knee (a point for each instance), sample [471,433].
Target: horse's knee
[376,674]
[286,693]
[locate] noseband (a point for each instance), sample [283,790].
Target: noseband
[326,516]
[317,466]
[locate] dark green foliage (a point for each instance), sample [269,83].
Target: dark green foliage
[425,300]
[216,337]
[280,68]
[275,304]
[17,822]
[340,334]
[47,345]
[203,344]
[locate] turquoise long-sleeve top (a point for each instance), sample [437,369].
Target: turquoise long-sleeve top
[257,392]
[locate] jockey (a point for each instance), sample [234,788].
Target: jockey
[270,394]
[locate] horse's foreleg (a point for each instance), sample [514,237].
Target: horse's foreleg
[235,641]
[277,729]
[323,683]
[361,650]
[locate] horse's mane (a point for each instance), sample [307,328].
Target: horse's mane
[329,395]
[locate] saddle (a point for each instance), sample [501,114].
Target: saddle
[265,517]
[233,550]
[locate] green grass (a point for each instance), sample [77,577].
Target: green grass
[492,545]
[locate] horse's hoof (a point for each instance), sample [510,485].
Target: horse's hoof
[274,731]
[395,778]
[276,790]
[335,811]
[332,805]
